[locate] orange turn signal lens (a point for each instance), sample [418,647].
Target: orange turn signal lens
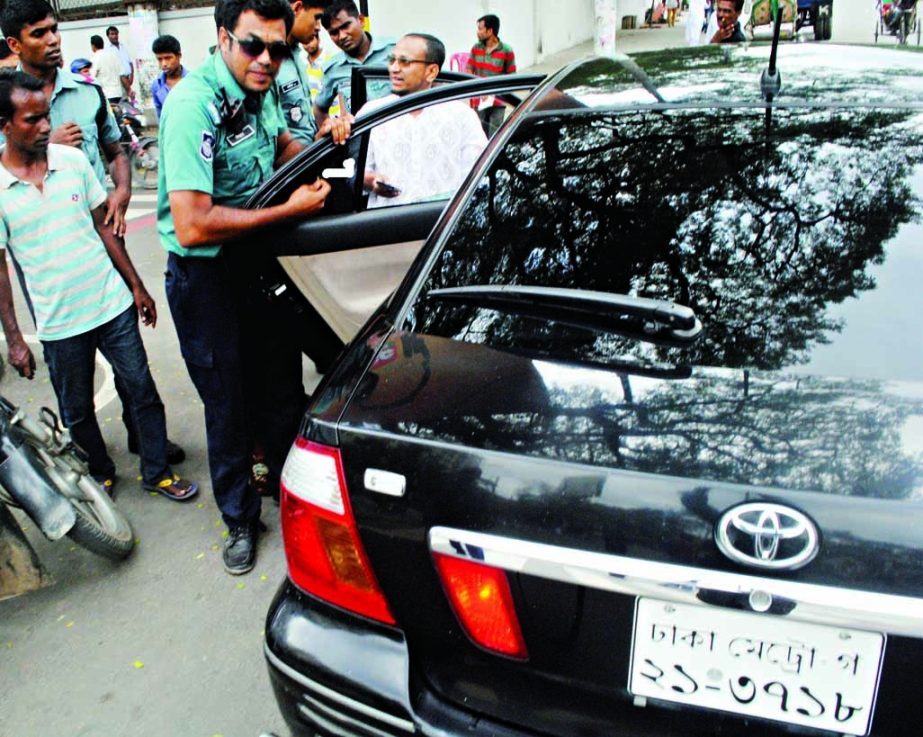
[323,549]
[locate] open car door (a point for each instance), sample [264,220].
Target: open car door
[345,262]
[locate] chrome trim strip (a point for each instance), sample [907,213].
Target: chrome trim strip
[865,610]
[331,720]
[328,726]
[336,696]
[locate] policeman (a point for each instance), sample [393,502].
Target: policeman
[293,84]
[346,27]
[80,117]
[221,133]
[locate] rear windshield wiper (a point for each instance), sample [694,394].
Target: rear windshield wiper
[640,317]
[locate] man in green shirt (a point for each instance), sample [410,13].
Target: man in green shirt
[221,133]
[346,28]
[294,91]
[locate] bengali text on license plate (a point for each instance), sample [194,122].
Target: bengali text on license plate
[757,665]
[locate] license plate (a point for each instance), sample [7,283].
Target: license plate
[756,665]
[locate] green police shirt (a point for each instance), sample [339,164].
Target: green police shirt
[210,143]
[339,70]
[295,96]
[74,100]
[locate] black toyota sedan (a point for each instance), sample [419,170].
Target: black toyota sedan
[636,445]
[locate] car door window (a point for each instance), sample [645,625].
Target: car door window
[374,247]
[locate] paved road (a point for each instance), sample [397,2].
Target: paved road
[166,643]
[143,204]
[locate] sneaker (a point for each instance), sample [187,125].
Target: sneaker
[240,548]
[175,453]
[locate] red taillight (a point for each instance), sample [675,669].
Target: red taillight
[481,598]
[322,547]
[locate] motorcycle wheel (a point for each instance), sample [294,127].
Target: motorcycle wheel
[144,163]
[101,527]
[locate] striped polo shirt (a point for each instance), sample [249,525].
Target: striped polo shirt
[486,63]
[71,280]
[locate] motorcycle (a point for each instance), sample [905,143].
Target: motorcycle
[143,151]
[44,473]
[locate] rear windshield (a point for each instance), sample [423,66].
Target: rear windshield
[795,238]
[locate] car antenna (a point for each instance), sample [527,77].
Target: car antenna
[770,79]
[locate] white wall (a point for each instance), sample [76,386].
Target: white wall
[455,23]
[75,35]
[854,21]
[560,25]
[534,28]
[195,30]
[636,8]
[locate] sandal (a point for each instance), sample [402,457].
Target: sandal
[108,485]
[175,488]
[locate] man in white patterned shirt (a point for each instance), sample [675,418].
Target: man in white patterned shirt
[426,154]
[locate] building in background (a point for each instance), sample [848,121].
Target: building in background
[535,28]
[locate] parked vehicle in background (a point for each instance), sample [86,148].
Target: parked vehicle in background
[636,446]
[898,19]
[819,15]
[143,151]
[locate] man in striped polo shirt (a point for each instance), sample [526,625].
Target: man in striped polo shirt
[82,288]
[489,58]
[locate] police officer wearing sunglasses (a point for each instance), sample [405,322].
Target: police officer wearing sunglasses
[222,132]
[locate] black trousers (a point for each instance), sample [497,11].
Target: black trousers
[245,368]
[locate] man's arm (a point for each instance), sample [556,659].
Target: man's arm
[126,85]
[109,135]
[325,98]
[115,246]
[320,115]
[287,146]
[118,199]
[200,222]
[158,103]
[19,354]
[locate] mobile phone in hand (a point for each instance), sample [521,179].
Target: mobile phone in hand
[388,190]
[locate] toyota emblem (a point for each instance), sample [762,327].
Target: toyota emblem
[765,535]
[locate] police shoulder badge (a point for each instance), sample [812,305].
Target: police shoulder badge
[207,149]
[296,114]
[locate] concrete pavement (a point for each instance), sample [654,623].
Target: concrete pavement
[165,644]
[626,42]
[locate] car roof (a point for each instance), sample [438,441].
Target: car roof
[826,74]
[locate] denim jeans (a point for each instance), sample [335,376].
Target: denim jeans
[72,364]
[205,310]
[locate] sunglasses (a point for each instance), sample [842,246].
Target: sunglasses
[254,47]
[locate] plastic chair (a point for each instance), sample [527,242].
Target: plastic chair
[458,62]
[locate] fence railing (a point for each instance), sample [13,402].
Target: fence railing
[82,9]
